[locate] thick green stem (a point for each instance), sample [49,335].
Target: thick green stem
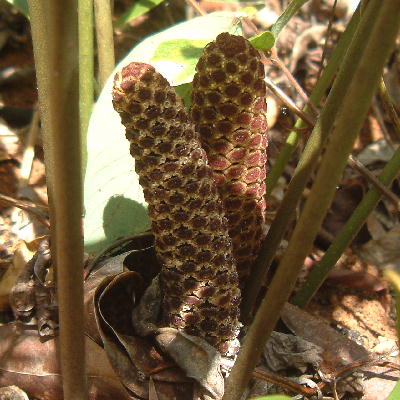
[55,44]
[372,43]
[86,71]
[347,234]
[306,165]
[105,39]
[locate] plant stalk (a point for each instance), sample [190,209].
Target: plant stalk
[317,94]
[105,39]
[306,164]
[55,43]
[86,71]
[372,43]
[347,234]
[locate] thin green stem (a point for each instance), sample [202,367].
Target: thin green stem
[307,161]
[347,234]
[317,94]
[372,44]
[105,39]
[55,43]
[291,9]
[86,71]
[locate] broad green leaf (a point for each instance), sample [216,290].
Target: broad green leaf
[251,10]
[395,394]
[263,41]
[184,51]
[113,198]
[21,6]
[285,17]
[139,8]
[185,90]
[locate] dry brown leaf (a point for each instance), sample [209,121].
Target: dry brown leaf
[284,351]
[24,252]
[33,364]
[12,393]
[383,251]
[338,350]
[196,357]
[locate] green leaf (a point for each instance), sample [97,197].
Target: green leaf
[139,8]
[285,17]
[185,90]
[21,6]
[113,198]
[395,394]
[272,397]
[184,51]
[263,41]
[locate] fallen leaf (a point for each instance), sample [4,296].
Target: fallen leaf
[33,364]
[338,350]
[196,357]
[24,252]
[385,251]
[12,393]
[284,351]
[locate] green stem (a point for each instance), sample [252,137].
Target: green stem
[307,161]
[317,94]
[55,44]
[372,43]
[347,234]
[86,71]
[291,9]
[105,39]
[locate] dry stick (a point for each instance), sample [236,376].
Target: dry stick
[104,38]
[316,95]
[28,207]
[373,42]
[54,34]
[281,95]
[196,6]
[277,61]
[372,178]
[328,33]
[29,151]
[381,123]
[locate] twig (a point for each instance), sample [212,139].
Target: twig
[381,123]
[278,62]
[328,34]
[26,206]
[278,92]
[353,162]
[29,152]
[196,6]
[347,370]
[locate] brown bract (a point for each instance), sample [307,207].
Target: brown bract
[198,276]
[228,107]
